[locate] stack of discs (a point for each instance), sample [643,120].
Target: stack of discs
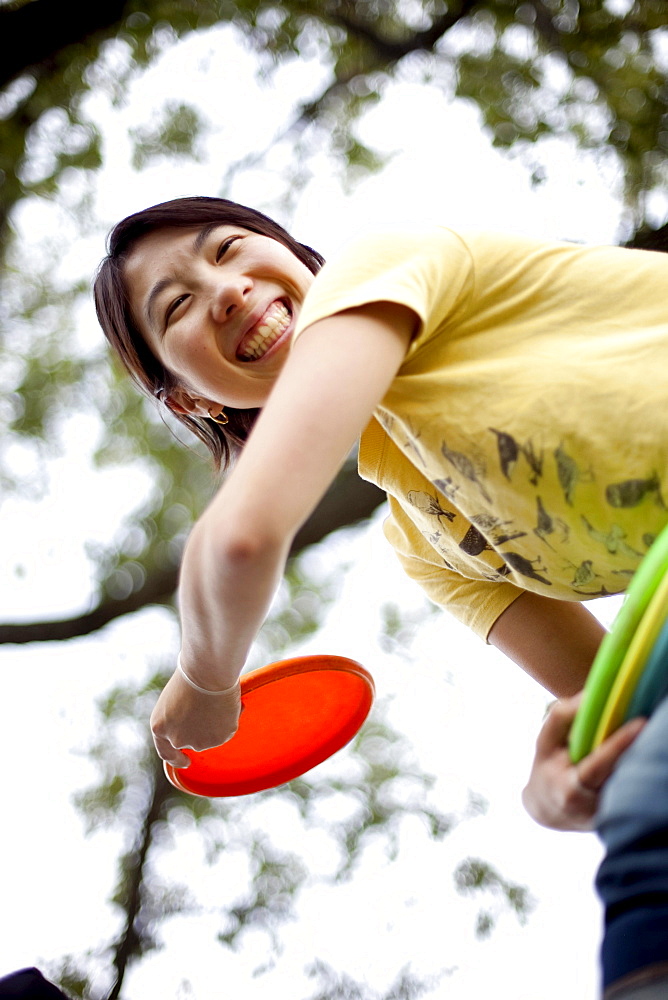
[629,676]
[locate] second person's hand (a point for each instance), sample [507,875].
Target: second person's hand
[562,795]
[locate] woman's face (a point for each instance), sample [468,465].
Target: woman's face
[217,306]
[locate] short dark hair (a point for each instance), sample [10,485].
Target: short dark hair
[115,316]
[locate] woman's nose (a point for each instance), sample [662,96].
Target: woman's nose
[228,296]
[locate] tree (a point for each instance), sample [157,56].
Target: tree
[504,56]
[543,68]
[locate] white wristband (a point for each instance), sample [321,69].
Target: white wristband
[201,690]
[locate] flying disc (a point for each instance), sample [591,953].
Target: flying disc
[296,713]
[633,664]
[614,646]
[652,687]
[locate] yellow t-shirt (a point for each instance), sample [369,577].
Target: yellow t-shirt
[523,443]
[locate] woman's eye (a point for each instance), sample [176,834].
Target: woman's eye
[225,246]
[173,306]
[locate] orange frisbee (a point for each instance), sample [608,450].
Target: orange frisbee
[296,713]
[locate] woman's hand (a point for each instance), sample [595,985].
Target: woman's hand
[184,717]
[562,795]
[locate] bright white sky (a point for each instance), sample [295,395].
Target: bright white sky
[471,716]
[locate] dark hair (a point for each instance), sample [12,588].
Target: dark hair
[115,316]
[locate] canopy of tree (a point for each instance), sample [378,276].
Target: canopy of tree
[594,70]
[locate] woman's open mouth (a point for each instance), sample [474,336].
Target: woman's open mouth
[271,327]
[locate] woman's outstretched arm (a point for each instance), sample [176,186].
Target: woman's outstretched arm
[553,641]
[337,373]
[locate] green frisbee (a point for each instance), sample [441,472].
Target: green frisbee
[613,649]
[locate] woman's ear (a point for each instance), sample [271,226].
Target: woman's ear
[180,401]
[176,406]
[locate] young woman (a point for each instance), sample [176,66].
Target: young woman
[507,392]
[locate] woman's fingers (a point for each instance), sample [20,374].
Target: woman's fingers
[169,753]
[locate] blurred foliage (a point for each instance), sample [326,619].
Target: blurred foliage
[361,797]
[594,70]
[474,875]
[151,538]
[337,986]
[401,627]
[591,68]
[176,135]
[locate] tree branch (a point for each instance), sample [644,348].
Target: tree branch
[649,239]
[348,501]
[390,49]
[129,944]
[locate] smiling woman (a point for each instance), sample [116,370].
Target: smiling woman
[135,332]
[464,361]
[505,393]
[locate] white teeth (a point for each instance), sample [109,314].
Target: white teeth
[273,325]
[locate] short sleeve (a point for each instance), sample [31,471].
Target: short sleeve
[476,603]
[429,269]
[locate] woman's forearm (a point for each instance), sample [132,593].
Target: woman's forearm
[228,581]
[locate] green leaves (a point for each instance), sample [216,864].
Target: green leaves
[334,985]
[582,71]
[475,876]
[521,64]
[176,135]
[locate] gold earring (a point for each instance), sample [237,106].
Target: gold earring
[221,419]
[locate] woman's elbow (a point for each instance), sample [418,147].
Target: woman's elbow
[237,544]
